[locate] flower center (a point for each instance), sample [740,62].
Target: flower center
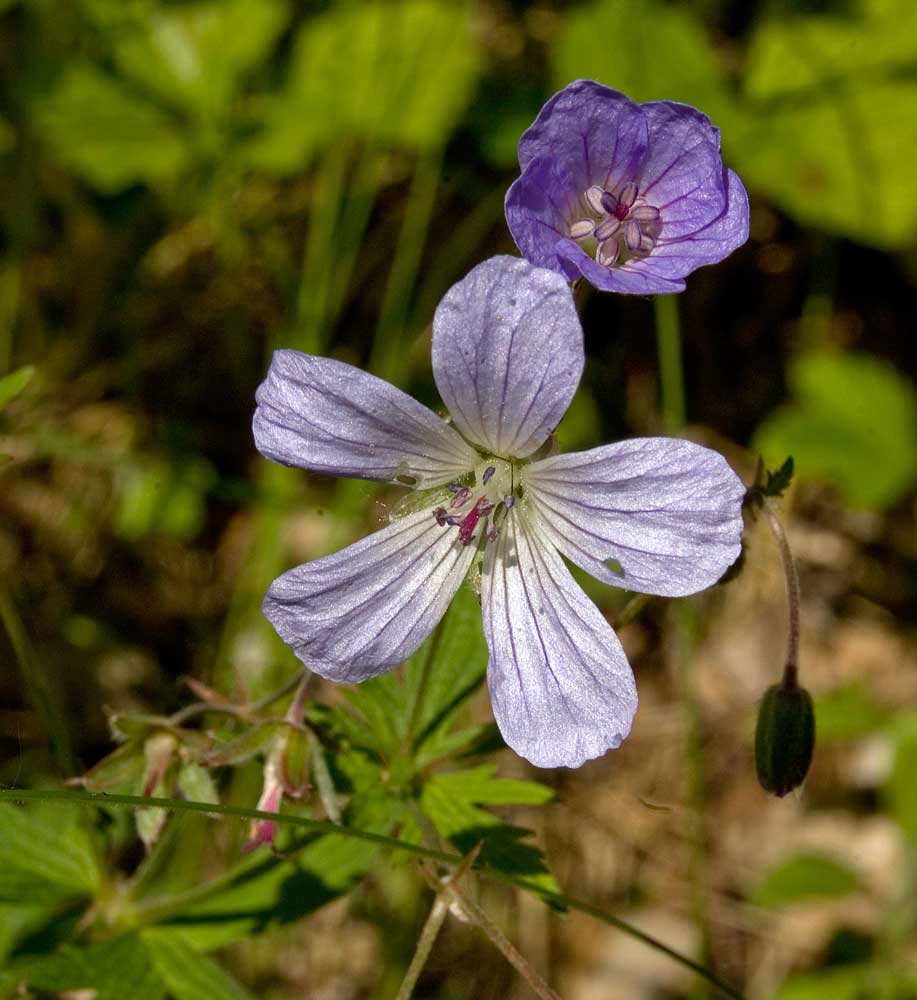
[618,226]
[482,505]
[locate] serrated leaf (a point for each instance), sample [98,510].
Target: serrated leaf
[109,136]
[804,877]
[187,973]
[830,129]
[46,855]
[451,802]
[396,74]
[433,684]
[112,969]
[11,385]
[853,423]
[779,479]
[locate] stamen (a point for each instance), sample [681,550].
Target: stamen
[593,198]
[466,529]
[627,197]
[454,487]
[488,472]
[607,228]
[581,229]
[508,501]
[647,243]
[440,514]
[609,203]
[607,253]
[632,234]
[645,213]
[462,496]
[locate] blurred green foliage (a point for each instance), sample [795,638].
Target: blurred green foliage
[186,185]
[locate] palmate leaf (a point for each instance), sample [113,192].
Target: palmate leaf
[45,856]
[415,707]
[452,802]
[113,970]
[187,973]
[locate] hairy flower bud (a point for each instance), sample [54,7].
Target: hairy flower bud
[784,738]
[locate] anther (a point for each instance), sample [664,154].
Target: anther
[645,213]
[607,228]
[593,198]
[508,501]
[607,253]
[581,229]
[632,234]
[462,496]
[440,514]
[626,199]
[488,472]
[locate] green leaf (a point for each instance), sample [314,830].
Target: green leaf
[113,969]
[779,479]
[187,973]
[11,385]
[430,689]
[451,802]
[845,983]
[196,783]
[394,74]
[901,790]
[196,55]
[803,877]
[830,131]
[46,855]
[108,135]
[688,71]
[853,423]
[848,713]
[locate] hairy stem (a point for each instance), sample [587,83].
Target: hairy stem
[791,670]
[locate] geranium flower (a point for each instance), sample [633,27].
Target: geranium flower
[656,515]
[632,197]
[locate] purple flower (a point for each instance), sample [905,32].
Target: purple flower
[632,197]
[655,515]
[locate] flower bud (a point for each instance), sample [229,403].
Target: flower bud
[784,738]
[294,763]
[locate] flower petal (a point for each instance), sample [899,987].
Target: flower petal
[330,417]
[631,278]
[561,687]
[507,354]
[365,609]
[598,133]
[707,245]
[654,515]
[682,174]
[540,207]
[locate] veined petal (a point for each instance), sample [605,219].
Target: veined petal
[539,206]
[599,133]
[561,687]
[365,609]
[628,278]
[682,174]
[327,416]
[709,243]
[654,515]
[507,354]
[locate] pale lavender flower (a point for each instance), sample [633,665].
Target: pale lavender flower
[632,197]
[655,515]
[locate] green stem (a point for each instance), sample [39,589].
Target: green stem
[323,826]
[40,686]
[424,946]
[671,369]
[387,358]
